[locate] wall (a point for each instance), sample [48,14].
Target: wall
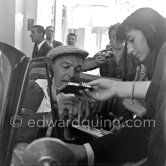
[58,20]
[19,24]
[45,12]
[13,30]
[30,12]
[41,12]
[7,18]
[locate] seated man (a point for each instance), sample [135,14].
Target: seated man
[67,65]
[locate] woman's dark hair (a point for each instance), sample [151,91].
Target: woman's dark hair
[152,25]
[112,28]
[128,64]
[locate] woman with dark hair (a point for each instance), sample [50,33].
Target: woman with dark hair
[153,28]
[145,33]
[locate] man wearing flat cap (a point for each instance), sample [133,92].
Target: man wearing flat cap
[67,64]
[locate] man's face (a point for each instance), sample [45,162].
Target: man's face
[71,40]
[50,33]
[35,35]
[67,68]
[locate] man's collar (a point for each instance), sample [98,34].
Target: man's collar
[49,41]
[39,45]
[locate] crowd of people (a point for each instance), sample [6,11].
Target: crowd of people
[136,56]
[43,44]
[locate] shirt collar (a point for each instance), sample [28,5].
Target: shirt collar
[50,42]
[39,45]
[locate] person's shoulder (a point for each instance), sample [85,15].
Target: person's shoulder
[46,45]
[163,46]
[162,51]
[42,82]
[36,86]
[56,43]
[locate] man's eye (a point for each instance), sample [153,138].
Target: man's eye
[65,67]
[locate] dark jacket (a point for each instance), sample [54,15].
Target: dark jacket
[33,98]
[42,52]
[56,43]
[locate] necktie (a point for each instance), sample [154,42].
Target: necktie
[35,51]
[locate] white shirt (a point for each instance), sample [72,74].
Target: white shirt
[39,45]
[45,104]
[49,42]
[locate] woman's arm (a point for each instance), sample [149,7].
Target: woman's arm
[89,64]
[95,62]
[135,90]
[105,89]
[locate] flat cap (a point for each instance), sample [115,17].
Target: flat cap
[67,50]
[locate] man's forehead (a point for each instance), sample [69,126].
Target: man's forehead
[69,59]
[71,36]
[34,29]
[50,28]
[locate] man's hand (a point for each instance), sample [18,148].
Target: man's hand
[87,108]
[100,58]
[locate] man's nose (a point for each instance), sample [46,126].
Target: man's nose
[71,73]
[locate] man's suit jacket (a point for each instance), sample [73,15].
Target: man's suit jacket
[42,52]
[33,98]
[56,43]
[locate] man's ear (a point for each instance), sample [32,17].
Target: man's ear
[41,35]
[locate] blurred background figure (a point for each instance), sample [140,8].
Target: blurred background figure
[41,47]
[71,39]
[50,31]
[113,61]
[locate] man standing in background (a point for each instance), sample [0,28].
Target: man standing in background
[50,30]
[41,47]
[71,39]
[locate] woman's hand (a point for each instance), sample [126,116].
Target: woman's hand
[104,89]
